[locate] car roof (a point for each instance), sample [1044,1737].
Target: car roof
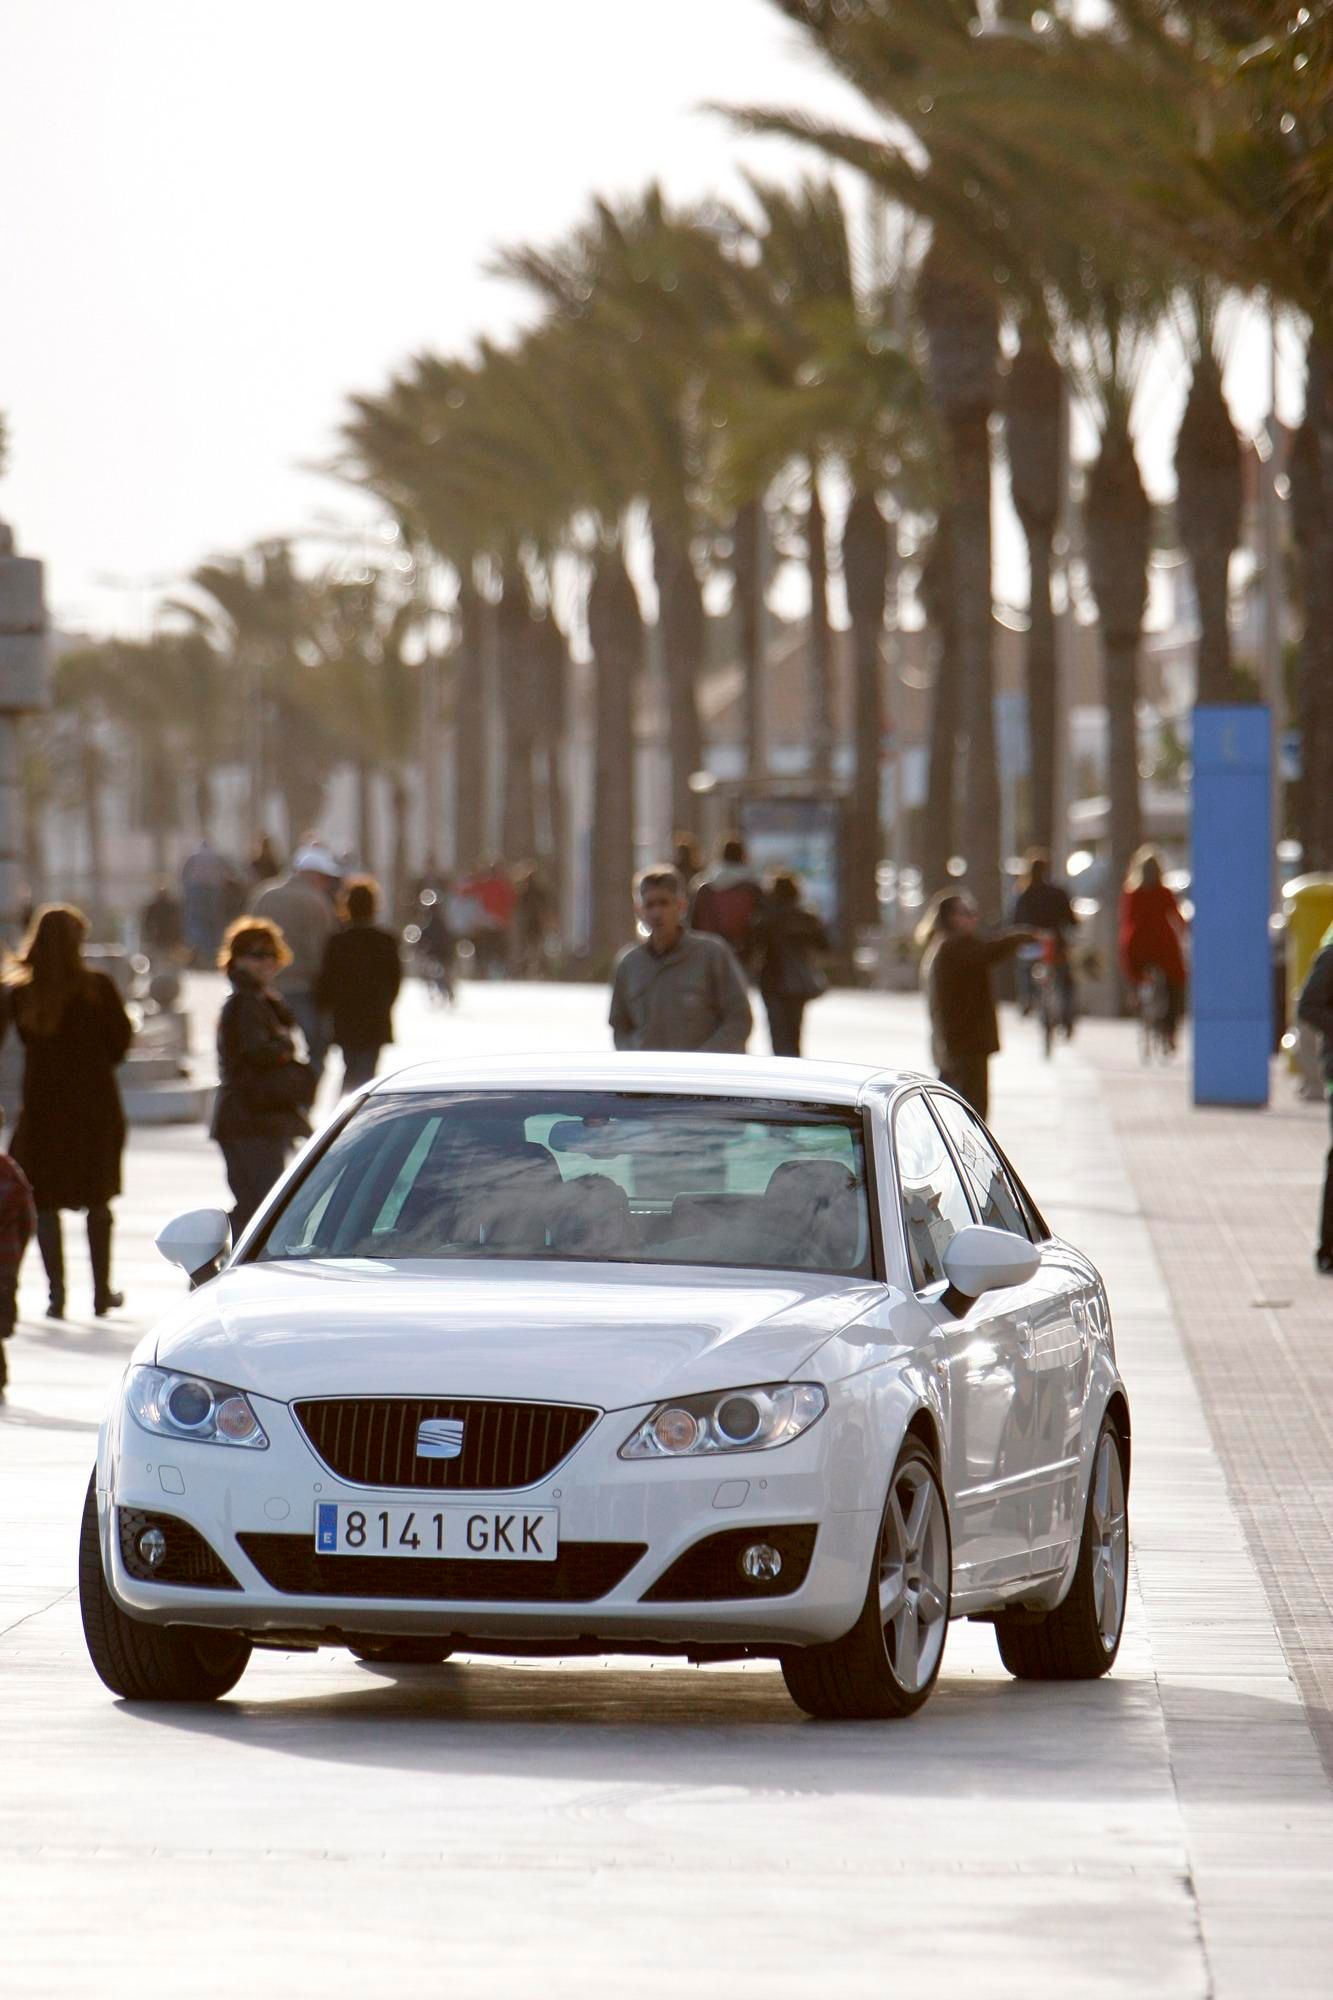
[763,1077]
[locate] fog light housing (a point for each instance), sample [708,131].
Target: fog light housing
[761,1562]
[153,1547]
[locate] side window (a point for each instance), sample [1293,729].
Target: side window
[935,1206]
[994,1193]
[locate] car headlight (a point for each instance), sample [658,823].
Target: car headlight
[187,1406]
[734,1420]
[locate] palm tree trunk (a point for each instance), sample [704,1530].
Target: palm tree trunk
[1042,692]
[938,841]
[962,338]
[516,640]
[971,552]
[90,760]
[615,630]
[1035,441]
[746,531]
[365,815]
[1117,520]
[681,615]
[395,887]
[554,709]
[470,746]
[865,562]
[1312,523]
[1208,509]
[821,636]
[203,800]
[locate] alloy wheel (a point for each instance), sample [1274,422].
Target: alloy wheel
[1110,1541]
[914,1576]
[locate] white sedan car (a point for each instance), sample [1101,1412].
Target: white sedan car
[708,1356]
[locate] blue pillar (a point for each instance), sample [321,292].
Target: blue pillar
[1232,842]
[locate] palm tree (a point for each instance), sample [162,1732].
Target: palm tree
[644,288]
[257,613]
[812,377]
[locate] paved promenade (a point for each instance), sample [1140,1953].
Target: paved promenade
[489,1829]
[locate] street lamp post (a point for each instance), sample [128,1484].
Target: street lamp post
[23,690]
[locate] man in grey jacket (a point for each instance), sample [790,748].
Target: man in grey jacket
[1316,1007]
[681,989]
[301,905]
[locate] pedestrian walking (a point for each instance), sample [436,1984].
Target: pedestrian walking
[1315,1008]
[301,905]
[359,981]
[493,896]
[1044,905]
[1150,931]
[788,939]
[264,1091]
[680,989]
[18,1219]
[71,1128]
[956,971]
[204,878]
[727,902]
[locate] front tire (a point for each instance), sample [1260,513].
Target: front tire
[887,1665]
[141,1662]
[1079,1640]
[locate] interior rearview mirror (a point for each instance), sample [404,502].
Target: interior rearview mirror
[196,1240]
[981,1259]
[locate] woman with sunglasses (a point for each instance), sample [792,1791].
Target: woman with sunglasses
[264,1090]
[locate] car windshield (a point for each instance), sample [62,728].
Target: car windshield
[606,1178]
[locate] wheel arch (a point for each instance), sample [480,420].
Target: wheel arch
[1117,1413]
[923,1426]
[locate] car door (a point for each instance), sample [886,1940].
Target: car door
[1051,1334]
[984,1373]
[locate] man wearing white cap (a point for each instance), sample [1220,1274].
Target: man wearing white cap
[301,905]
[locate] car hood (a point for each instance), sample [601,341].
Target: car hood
[605,1334]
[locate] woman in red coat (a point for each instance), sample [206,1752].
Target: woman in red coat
[1151,928]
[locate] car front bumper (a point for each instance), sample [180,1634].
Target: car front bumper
[256,1512]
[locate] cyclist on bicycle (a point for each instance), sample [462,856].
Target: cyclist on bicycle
[1151,929]
[1044,905]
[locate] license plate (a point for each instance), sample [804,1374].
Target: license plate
[478,1534]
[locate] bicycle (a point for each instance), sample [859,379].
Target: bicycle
[1051,1001]
[1156,1037]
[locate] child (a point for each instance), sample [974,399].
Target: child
[18,1219]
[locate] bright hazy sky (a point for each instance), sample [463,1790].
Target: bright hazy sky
[217,220]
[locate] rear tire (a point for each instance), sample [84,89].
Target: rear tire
[1079,1640]
[142,1662]
[406,1652]
[887,1665]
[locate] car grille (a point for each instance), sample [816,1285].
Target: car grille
[372,1441]
[711,1570]
[189,1561]
[581,1572]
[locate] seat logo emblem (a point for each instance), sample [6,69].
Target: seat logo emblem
[440,1437]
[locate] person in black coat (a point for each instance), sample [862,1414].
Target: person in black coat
[263,1090]
[788,939]
[956,970]
[358,983]
[71,1129]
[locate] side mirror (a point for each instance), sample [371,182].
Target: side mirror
[981,1259]
[196,1240]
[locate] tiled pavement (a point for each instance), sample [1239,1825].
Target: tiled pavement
[1231,1200]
